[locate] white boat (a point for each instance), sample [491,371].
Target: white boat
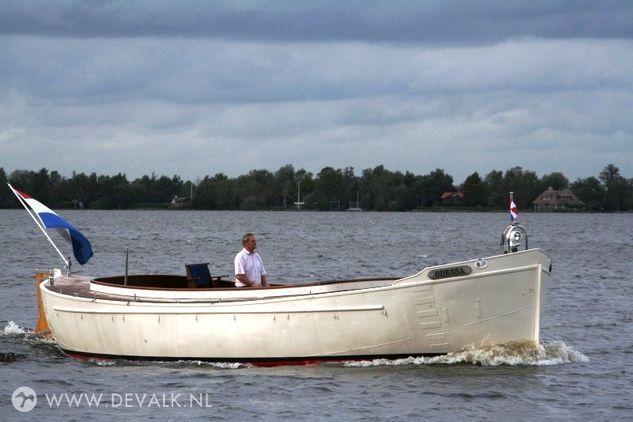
[441,309]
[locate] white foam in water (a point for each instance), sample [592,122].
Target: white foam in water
[102,362]
[45,340]
[13,328]
[221,365]
[512,354]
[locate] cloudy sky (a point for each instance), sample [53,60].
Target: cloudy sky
[198,87]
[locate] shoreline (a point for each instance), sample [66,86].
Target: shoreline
[430,210]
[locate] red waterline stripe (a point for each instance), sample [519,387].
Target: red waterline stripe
[260,362]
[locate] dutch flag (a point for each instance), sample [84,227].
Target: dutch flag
[82,249]
[514,211]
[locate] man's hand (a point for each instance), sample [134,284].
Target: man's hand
[265,281]
[243,279]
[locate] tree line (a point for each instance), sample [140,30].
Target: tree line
[376,188]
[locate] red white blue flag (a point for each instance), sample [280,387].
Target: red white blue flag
[82,249]
[514,211]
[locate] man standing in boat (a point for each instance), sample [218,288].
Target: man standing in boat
[249,268]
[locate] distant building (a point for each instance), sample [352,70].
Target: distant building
[452,198]
[557,200]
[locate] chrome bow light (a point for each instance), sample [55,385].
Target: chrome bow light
[512,237]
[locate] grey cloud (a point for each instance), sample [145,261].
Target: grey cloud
[402,21]
[157,87]
[539,131]
[204,71]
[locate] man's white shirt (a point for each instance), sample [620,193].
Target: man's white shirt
[251,265]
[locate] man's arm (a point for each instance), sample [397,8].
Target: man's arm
[265,280]
[243,279]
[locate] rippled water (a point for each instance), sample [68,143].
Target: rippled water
[579,371]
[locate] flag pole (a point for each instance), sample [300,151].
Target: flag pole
[40,226]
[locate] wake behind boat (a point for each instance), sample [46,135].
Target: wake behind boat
[441,309]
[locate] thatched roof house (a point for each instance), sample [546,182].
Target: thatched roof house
[557,200]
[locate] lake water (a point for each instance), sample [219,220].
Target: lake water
[581,369]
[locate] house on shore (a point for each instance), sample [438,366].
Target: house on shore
[557,200]
[452,198]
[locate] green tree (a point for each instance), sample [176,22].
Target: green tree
[285,186]
[378,188]
[497,195]
[305,185]
[474,191]
[556,181]
[589,191]
[524,184]
[616,188]
[440,182]
[628,197]
[23,180]
[120,191]
[328,188]
[350,186]
[5,192]
[405,194]
[375,185]
[257,186]
[217,193]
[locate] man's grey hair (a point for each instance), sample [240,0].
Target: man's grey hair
[246,237]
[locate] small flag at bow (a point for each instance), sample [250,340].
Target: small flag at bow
[514,211]
[82,249]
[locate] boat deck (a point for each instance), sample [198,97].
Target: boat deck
[79,286]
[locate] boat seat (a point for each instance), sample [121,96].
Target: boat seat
[198,276]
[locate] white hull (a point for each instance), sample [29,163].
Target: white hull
[416,315]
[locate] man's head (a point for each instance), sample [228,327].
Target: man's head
[249,242]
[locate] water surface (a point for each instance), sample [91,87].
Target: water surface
[579,371]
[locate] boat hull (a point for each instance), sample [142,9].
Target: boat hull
[497,301]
